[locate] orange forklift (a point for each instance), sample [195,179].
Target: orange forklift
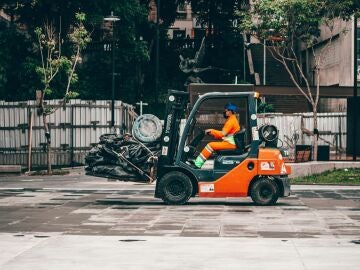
[256,167]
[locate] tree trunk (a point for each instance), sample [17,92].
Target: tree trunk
[315,137]
[49,170]
[48,143]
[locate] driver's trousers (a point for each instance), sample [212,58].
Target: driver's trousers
[210,148]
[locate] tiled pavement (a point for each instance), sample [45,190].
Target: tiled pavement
[76,205]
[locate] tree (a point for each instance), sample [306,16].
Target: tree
[53,62]
[224,44]
[17,62]
[133,33]
[216,15]
[288,24]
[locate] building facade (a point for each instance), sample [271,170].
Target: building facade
[337,53]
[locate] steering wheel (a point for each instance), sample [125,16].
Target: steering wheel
[195,142]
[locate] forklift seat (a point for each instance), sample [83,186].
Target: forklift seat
[239,138]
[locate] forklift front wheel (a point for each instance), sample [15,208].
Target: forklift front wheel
[264,191]
[175,188]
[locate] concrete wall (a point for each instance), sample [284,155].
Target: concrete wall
[337,59]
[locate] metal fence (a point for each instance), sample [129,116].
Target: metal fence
[78,125]
[74,128]
[332,128]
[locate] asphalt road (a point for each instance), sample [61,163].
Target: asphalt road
[46,220]
[81,204]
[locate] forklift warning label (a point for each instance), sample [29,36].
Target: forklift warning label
[255,133]
[267,166]
[207,188]
[164,150]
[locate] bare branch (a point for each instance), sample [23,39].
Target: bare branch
[303,76]
[77,56]
[282,60]
[60,28]
[42,58]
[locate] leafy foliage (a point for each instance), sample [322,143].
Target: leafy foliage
[288,24]
[263,107]
[339,177]
[294,20]
[52,59]
[17,64]
[216,14]
[132,54]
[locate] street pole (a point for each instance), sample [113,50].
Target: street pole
[31,121]
[244,61]
[113,79]
[264,70]
[113,19]
[355,117]
[157,53]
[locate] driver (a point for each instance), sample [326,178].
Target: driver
[230,127]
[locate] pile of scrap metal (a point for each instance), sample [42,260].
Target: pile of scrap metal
[125,157]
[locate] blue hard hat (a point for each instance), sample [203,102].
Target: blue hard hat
[231,107]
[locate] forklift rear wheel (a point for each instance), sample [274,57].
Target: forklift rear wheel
[264,191]
[176,188]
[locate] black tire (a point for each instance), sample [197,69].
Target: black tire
[147,128]
[175,188]
[264,191]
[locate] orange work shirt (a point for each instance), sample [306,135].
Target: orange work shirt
[230,127]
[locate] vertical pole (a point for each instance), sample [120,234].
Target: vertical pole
[264,70]
[244,61]
[113,78]
[30,140]
[72,136]
[141,107]
[355,88]
[244,56]
[157,55]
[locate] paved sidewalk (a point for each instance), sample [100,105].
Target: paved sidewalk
[164,253]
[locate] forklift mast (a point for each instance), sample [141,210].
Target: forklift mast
[175,108]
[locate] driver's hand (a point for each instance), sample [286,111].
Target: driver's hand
[207,131]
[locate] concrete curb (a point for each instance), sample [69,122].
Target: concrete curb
[317,167]
[8,170]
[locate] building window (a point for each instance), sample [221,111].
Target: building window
[199,33]
[181,16]
[179,34]
[181,11]
[181,8]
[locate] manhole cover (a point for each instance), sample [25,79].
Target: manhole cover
[41,236]
[132,240]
